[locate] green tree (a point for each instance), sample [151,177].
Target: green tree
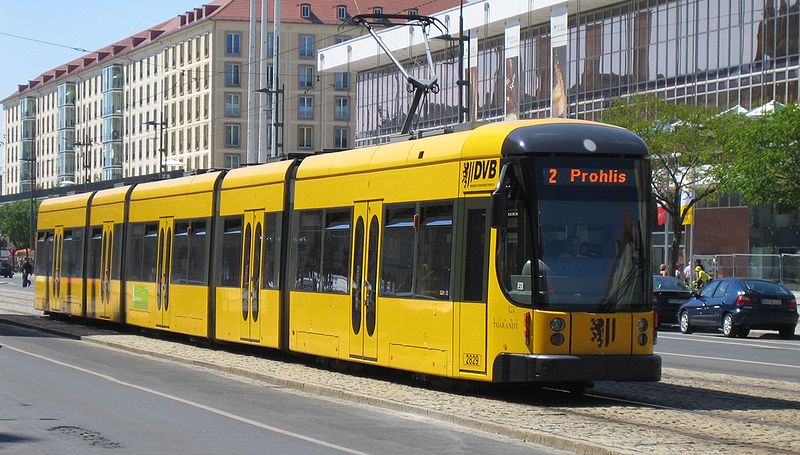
[15,223]
[764,159]
[685,145]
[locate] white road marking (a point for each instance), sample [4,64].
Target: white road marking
[730,360]
[761,344]
[192,403]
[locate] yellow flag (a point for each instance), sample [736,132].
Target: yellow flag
[688,213]
[687,209]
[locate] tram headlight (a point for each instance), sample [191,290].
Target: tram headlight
[642,324]
[557,324]
[557,339]
[642,339]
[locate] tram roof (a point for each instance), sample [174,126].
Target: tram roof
[110,196]
[72,201]
[262,174]
[184,185]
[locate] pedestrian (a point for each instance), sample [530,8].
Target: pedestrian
[663,270]
[687,273]
[27,270]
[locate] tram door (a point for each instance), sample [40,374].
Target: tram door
[106,256]
[56,303]
[364,292]
[252,258]
[164,270]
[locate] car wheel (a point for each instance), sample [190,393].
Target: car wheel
[686,327]
[787,332]
[728,329]
[743,332]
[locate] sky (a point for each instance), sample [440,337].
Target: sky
[86,24]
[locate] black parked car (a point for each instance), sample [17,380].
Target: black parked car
[668,295]
[5,268]
[738,305]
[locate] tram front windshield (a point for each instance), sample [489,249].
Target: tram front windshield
[582,220]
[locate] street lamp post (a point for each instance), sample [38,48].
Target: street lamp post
[162,150]
[277,124]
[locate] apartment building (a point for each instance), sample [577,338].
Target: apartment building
[175,96]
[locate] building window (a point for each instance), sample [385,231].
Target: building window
[231,160]
[377,10]
[305,76]
[305,10]
[233,41]
[232,74]
[341,13]
[341,81]
[340,137]
[413,12]
[305,107]
[305,137]
[306,46]
[231,135]
[342,108]
[232,105]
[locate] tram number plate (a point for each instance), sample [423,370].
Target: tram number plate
[472,360]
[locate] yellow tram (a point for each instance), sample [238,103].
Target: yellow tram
[515,252]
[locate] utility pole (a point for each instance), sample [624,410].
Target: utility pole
[252,118]
[87,164]
[276,33]
[262,99]
[161,136]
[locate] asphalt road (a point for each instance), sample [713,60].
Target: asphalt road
[62,396]
[761,355]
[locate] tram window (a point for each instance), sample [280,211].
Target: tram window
[198,253]
[397,261]
[44,250]
[308,244]
[180,253]
[133,265]
[475,256]
[336,252]
[432,268]
[149,252]
[95,253]
[116,253]
[72,256]
[231,251]
[271,268]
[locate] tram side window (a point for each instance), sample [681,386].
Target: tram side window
[133,266]
[336,252]
[180,253]
[116,253]
[231,251]
[308,244]
[44,252]
[475,256]
[72,257]
[198,253]
[432,268]
[398,252]
[142,252]
[271,268]
[95,253]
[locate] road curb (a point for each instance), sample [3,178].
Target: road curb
[522,434]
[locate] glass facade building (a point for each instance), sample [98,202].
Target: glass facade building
[112,128]
[708,52]
[27,159]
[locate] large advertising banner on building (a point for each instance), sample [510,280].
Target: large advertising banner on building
[512,70]
[559,34]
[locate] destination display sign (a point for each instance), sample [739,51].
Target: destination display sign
[581,176]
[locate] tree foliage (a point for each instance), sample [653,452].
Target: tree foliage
[15,223]
[685,145]
[764,159]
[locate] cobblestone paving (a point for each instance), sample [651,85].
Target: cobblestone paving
[699,413]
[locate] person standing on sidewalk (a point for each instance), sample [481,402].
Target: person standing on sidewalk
[27,270]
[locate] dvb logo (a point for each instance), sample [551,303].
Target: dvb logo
[478,170]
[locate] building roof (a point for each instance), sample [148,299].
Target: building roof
[322,12]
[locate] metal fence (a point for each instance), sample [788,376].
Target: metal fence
[777,267]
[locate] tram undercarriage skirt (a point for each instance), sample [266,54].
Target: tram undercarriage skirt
[568,368]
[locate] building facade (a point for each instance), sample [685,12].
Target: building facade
[176,96]
[530,59]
